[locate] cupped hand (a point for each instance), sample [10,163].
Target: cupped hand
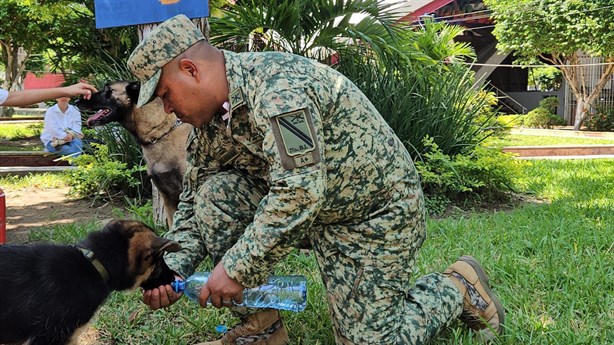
[160,297]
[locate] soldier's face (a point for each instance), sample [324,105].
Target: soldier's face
[184,90]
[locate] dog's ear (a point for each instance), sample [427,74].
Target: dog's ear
[161,245]
[133,89]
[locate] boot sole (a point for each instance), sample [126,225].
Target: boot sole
[484,279]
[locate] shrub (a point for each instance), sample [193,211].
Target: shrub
[486,172]
[508,121]
[101,174]
[601,120]
[36,128]
[543,116]
[120,147]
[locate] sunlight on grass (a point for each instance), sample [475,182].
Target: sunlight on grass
[14,131]
[549,262]
[537,140]
[46,180]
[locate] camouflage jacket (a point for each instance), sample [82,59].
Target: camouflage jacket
[326,153]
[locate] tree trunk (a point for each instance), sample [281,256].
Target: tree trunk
[15,65]
[581,111]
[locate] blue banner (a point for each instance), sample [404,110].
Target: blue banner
[111,13]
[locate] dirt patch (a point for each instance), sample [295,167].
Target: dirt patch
[31,209]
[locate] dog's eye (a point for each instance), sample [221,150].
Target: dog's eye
[108,94]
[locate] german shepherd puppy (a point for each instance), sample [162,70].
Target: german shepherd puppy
[48,291]
[162,137]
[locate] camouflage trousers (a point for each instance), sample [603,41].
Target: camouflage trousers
[366,267]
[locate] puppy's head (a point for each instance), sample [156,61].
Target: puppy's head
[113,103]
[134,254]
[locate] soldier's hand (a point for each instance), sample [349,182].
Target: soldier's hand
[160,297]
[222,289]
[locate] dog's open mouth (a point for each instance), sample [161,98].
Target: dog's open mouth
[99,118]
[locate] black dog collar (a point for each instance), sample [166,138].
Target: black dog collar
[89,255]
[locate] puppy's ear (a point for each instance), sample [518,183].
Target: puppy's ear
[132,90]
[161,245]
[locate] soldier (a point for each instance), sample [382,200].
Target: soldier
[285,148]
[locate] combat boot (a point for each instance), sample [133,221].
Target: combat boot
[482,310]
[264,328]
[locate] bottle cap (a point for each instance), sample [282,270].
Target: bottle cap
[178,285]
[221,329]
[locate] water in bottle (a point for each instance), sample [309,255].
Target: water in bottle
[279,292]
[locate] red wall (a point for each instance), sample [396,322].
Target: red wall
[43,82]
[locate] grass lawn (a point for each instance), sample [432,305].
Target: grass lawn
[46,180]
[20,136]
[538,140]
[551,262]
[15,131]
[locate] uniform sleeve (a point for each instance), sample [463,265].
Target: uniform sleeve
[295,197]
[185,230]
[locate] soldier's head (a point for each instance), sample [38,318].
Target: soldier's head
[174,62]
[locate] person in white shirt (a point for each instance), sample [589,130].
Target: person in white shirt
[27,97]
[62,132]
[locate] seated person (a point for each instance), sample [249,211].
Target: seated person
[62,132]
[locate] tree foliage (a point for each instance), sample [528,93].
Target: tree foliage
[557,31]
[26,27]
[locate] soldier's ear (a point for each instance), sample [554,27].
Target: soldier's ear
[133,89]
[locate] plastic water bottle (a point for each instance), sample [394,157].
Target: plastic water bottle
[279,292]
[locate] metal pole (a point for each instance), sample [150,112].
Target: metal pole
[2,217]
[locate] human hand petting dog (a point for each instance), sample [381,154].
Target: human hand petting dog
[222,289]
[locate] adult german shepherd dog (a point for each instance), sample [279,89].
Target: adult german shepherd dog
[162,136]
[49,292]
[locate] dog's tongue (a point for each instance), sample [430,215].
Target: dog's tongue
[97,116]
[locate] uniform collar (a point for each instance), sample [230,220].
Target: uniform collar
[235,75]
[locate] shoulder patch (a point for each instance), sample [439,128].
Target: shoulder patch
[296,138]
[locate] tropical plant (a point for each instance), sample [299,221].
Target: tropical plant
[311,28]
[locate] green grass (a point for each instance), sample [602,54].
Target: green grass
[15,131]
[46,180]
[550,261]
[538,140]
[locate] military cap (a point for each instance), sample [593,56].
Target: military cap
[161,45]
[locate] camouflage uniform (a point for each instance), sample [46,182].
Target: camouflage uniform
[304,154]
